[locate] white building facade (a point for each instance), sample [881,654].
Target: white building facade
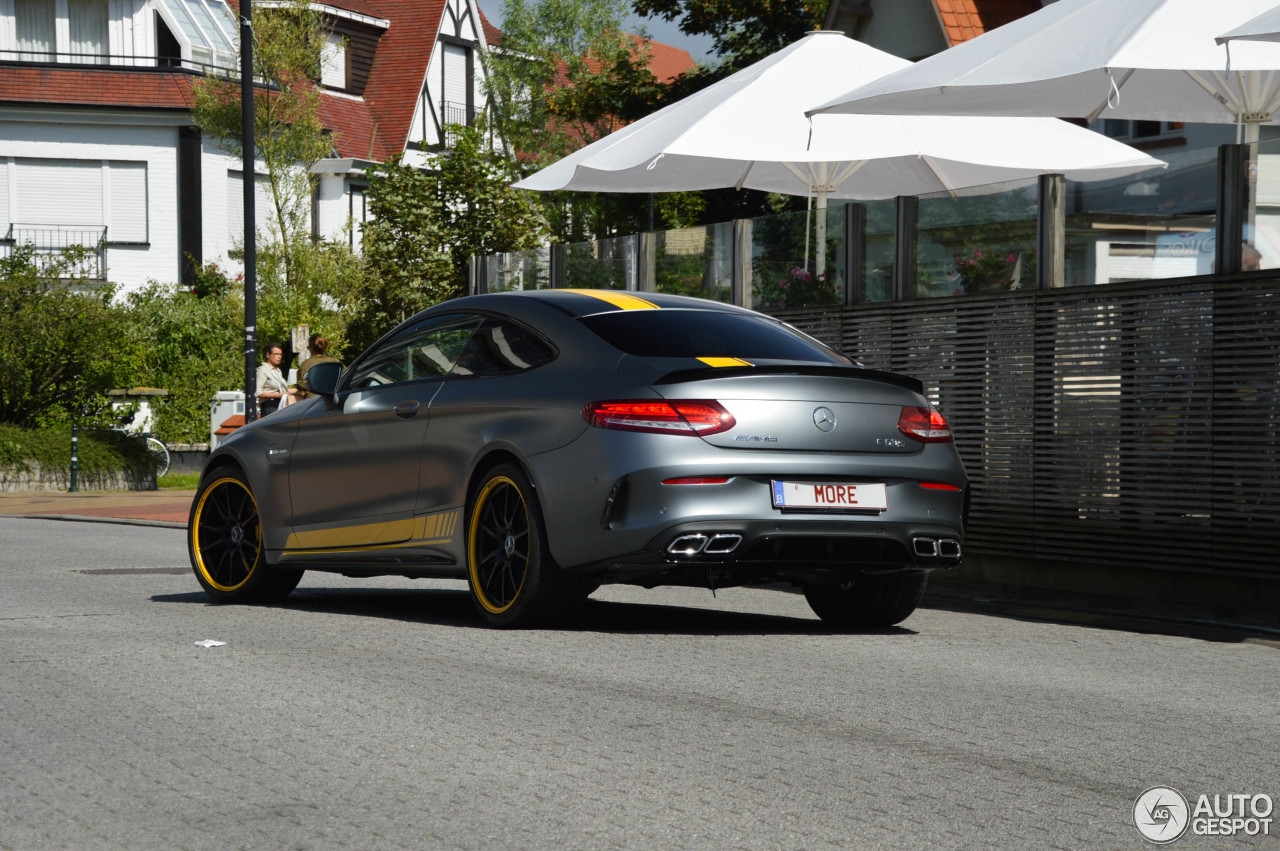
[97,145]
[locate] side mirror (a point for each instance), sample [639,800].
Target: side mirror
[322,379]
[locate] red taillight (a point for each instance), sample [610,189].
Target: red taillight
[697,480]
[924,424]
[938,486]
[692,416]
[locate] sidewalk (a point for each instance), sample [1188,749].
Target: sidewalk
[168,508]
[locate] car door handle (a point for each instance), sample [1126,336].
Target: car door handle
[405,410]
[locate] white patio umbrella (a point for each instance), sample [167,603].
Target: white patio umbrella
[749,130]
[1265,27]
[1143,59]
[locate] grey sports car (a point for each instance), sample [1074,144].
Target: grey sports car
[541,444]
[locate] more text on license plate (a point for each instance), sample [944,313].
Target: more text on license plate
[830,495]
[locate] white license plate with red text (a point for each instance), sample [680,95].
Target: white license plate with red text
[837,495]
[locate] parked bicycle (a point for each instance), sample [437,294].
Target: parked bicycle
[126,424]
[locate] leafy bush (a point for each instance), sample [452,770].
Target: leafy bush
[190,346]
[62,341]
[100,453]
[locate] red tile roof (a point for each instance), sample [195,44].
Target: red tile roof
[492,35]
[967,19]
[360,7]
[72,86]
[399,71]
[666,62]
[355,130]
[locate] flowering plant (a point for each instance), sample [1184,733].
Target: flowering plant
[797,288]
[211,280]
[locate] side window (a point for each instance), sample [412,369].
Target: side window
[423,351]
[501,347]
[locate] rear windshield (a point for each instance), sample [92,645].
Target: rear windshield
[667,333]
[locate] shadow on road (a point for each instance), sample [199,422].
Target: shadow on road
[454,608]
[1093,615]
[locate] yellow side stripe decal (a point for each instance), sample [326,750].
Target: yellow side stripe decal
[619,300]
[724,362]
[428,529]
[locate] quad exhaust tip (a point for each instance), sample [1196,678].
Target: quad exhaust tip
[947,548]
[714,544]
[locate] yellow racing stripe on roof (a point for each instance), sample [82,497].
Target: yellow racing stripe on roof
[623,301]
[724,362]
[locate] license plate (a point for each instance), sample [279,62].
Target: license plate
[840,495]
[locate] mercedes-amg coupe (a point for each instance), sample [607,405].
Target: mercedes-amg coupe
[540,444]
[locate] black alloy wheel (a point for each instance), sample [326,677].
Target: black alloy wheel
[224,541]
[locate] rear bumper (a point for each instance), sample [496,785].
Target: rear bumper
[606,507]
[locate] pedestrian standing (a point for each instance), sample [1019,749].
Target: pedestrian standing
[272,388]
[317,346]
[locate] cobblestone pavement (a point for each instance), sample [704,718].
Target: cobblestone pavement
[379,714]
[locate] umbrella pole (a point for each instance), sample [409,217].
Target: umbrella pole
[820,233]
[808,209]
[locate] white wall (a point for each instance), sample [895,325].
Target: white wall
[94,139]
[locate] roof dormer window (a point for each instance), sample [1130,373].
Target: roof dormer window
[333,62]
[204,29]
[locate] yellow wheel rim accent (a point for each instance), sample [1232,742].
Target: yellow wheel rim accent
[228,557]
[517,560]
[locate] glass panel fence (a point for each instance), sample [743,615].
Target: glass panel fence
[606,264]
[519,270]
[1158,223]
[695,261]
[797,259]
[1262,231]
[877,261]
[979,241]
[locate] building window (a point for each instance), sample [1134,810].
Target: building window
[88,25]
[34,22]
[333,62]
[456,87]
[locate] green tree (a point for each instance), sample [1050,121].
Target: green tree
[480,212]
[405,246]
[332,282]
[565,75]
[62,340]
[189,345]
[289,136]
[745,31]
[425,226]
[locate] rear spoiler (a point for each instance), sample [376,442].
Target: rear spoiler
[858,372]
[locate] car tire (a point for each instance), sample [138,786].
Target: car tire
[872,601]
[224,541]
[514,581]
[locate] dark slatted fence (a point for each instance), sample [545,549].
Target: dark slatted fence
[1128,424]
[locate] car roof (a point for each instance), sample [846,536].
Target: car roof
[582,302]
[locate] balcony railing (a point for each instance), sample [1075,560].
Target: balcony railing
[222,64]
[452,112]
[51,243]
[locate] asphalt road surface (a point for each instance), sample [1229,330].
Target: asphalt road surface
[379,714]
